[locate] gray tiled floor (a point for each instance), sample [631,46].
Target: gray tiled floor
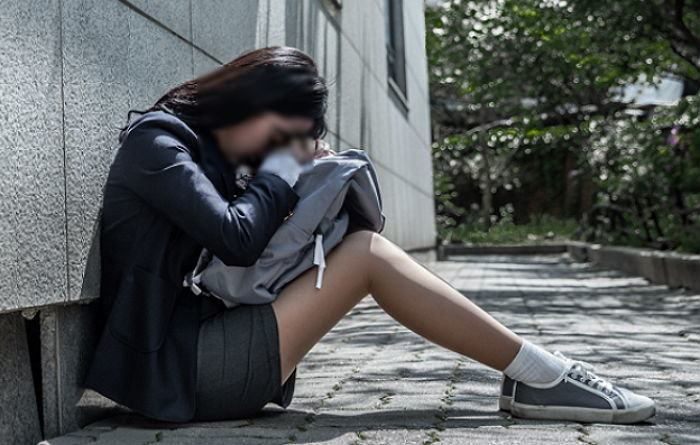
[372,381]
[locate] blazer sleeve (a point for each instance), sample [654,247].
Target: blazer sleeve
[158,167]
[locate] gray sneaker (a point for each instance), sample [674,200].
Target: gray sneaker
[578,395]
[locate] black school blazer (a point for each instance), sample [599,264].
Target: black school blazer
[169,192]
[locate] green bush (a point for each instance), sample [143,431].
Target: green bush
[541,229]
[648,177]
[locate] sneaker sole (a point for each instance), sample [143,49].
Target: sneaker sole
[504,403]
[574,413]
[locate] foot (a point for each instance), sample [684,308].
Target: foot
[578,395]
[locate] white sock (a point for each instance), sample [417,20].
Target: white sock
[533,364]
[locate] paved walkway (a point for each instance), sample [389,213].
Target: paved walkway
[372,381]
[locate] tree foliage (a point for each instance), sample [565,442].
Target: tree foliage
[512,80]
[648,175]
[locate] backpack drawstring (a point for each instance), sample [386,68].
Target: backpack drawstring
[193,278]
[192,282]
[319,259]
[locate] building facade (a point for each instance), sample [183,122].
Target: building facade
[70,70]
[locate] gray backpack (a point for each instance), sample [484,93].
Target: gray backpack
[335,191]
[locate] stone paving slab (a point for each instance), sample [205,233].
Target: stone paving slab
[372,381]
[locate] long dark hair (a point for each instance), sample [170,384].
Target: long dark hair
[282,79]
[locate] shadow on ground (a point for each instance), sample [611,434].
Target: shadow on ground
[372,381]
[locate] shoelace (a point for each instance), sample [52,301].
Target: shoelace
[584,372]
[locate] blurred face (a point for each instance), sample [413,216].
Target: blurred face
[250,140]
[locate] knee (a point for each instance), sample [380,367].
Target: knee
[360,246]
[368,244]
[363,239]
[360,235]
[373,254]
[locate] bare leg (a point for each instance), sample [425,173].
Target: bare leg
[364,263]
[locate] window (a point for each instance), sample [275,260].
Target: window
[395,54]
[333,7]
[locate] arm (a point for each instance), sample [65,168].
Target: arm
[157,167]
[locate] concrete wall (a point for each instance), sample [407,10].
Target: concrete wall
[74,67]
[674,269]
[69,71]
[351,53]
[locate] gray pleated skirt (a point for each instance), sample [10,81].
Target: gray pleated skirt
[238,362]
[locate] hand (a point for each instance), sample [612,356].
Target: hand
[322,148]
[283,163]
[302,149]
